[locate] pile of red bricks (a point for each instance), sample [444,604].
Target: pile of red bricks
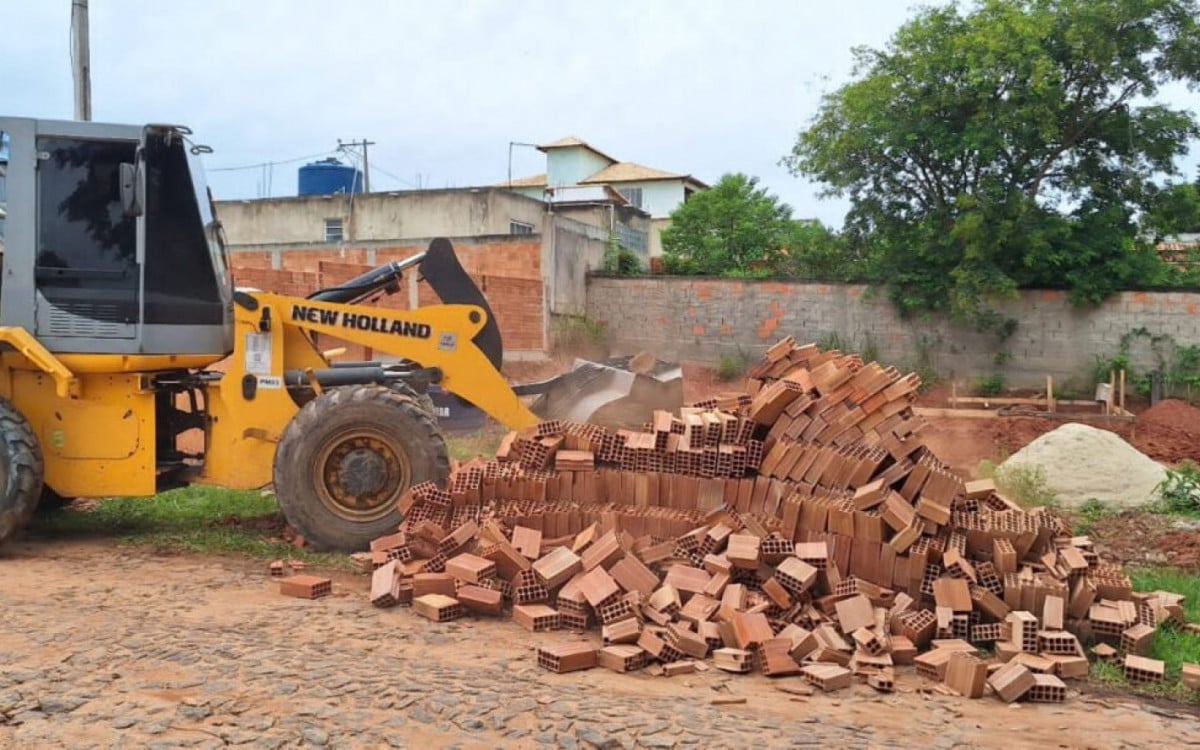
[800,529]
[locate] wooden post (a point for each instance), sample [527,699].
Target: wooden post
[1050,393]
[953,394]
[1112,392]
[1122,393]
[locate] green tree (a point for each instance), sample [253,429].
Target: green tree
[1007,145]
[813,251]
[736,227]
[1174,210]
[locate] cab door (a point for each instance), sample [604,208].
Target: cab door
[87,274]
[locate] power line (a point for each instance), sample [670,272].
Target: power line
[348,146]
[401,180]
[262,164]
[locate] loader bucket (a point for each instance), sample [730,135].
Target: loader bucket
[620,393]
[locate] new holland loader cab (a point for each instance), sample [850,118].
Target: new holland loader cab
[120,330]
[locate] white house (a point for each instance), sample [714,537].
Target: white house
[571,164]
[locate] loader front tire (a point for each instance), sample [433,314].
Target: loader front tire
[20,471]
[347,458]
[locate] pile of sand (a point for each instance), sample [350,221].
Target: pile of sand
[1081,462]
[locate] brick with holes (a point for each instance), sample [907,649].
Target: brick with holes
[622,658]
[306,587]
[1011,682]
[657,647]
[470,568]
[567,657]
[536,618]
[734,660]
[1142,669]
[621,631]
[385,585]
[796,576]
[481,601]
[437,607]
[827,677]
[1047,689]
[1138,640]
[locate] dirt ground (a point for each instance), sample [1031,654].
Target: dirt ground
[115,647]
[111,648]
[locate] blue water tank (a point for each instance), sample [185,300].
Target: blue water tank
[329,176]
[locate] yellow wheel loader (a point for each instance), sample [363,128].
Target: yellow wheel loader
[120,330]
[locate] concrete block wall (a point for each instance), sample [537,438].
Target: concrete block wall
[704,319]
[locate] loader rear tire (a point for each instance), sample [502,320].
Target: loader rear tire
[347,458]
[20,471]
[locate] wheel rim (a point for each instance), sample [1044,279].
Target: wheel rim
[361,474]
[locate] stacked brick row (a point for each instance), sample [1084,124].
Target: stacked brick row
[829,543]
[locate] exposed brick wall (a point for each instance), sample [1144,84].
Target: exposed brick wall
[291,283]
[508,273]
[521,260]
[706,318]
[254,260]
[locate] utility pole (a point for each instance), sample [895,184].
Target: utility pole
[81,65]
[366,164]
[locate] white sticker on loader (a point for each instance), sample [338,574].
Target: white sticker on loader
[258,353]
[448,342]
[270,382]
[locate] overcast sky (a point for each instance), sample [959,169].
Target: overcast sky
[442,87]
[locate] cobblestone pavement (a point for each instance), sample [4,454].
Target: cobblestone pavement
[115,648]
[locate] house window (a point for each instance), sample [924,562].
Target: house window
[519,227]
[333,230]
[633,195]
[631,239]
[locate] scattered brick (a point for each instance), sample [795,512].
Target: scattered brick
[536,618]
[1047,689]
[306,587]
[622,658]
[1141,669]
[1011,682]
[567,657]
[437,607]
[481,601]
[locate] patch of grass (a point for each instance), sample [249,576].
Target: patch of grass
[1180,491]
[990,385]
[1024,484]
[1087,515]
[194,519]
[831,341]
[1172,645]
[1158,578]
[733,366]
[484,443]
[579,333]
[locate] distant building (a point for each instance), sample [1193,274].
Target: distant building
[1180,250]
[573,165]
[530,256]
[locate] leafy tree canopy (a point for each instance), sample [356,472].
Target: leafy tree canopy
[1010,144]
[734,226]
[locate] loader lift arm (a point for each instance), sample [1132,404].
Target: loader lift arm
[456,344]
[440,337]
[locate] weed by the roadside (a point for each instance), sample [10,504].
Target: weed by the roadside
[733,366]
[833,341]
[1088,514]
[990,385]
[578,332]
[1023,483]
[1180,491]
